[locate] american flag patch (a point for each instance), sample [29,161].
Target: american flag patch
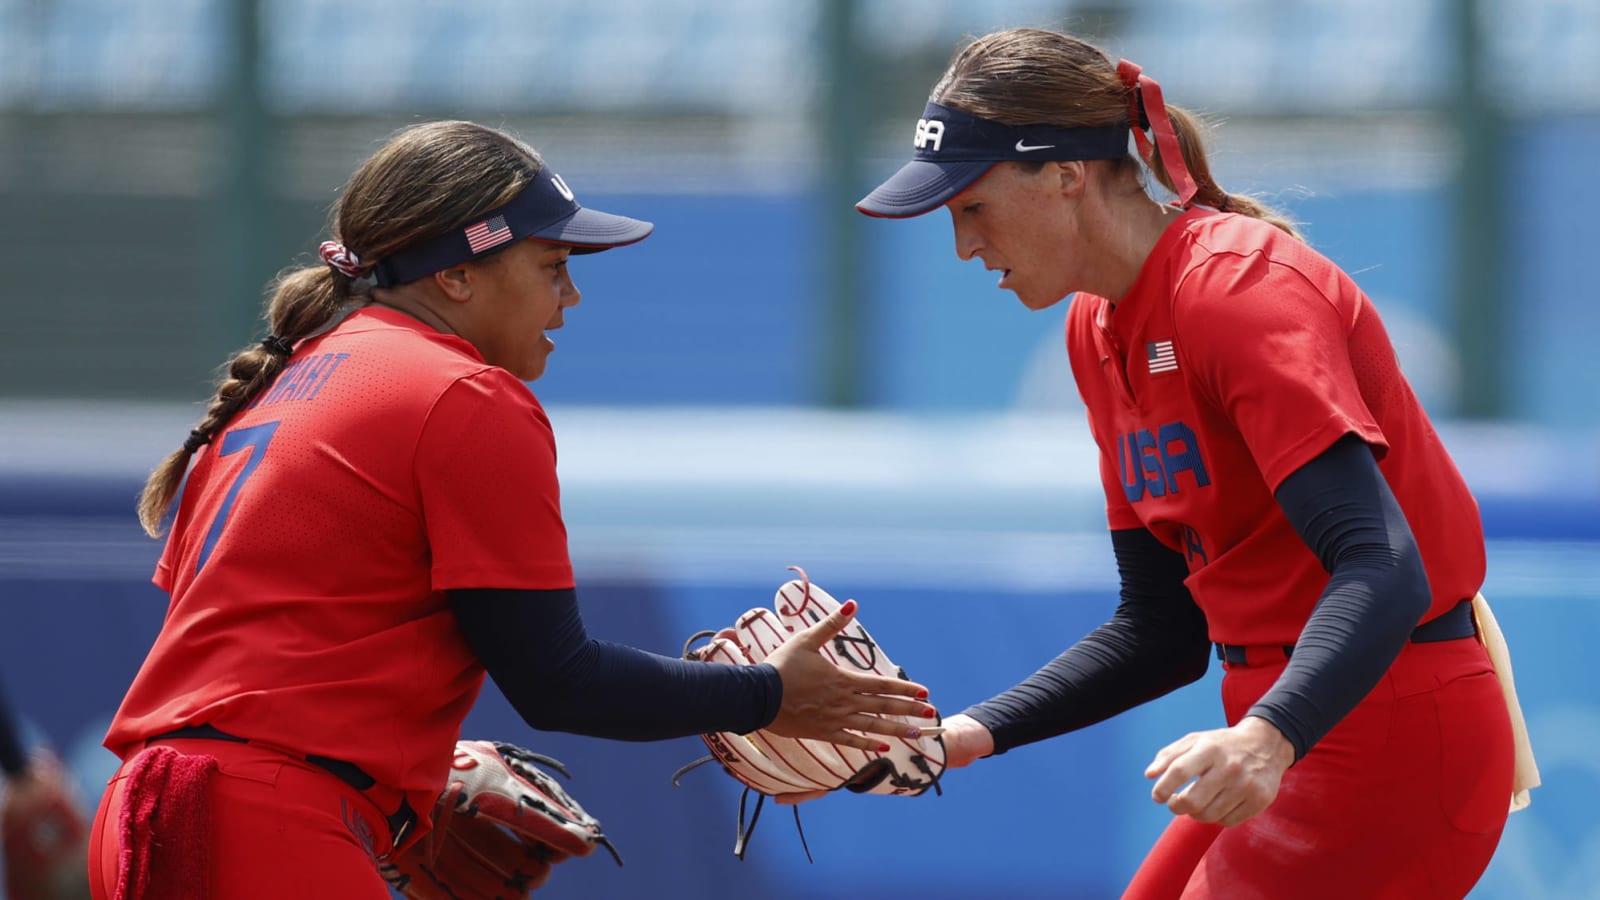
[1161,356]
[488,233]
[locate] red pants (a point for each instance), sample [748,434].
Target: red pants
[1405,798]
[278,827]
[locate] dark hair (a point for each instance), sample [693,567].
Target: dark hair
[422,182]
[1031,76]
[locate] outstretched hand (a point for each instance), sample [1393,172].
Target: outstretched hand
[965,740]
[1232,773]
[825,702]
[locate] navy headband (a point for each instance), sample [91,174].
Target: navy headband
[545,210]
[954,149]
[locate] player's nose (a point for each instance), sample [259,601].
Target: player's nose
[968,242]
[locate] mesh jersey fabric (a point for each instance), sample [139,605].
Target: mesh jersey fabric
[316,537]
[1238,355]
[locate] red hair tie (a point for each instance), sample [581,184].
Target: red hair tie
[342,259]
[1144,90]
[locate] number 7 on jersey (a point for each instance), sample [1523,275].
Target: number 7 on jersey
[256,436]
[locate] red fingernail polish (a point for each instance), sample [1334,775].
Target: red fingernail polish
[922,694]
[929,713]
[883,748]
[848,607]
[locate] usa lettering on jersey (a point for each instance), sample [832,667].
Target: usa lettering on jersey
[1150,462]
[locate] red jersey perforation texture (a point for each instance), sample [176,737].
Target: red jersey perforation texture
[317,534]
[1238,356]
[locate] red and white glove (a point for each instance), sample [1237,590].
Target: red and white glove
[773,765]
[499,825]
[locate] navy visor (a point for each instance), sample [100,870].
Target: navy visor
[954,149]
[545,210]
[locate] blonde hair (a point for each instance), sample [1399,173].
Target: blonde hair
[424,181]
[1031,76]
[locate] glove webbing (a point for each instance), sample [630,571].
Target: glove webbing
[515,753]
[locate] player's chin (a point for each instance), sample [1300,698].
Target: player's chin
[537,360]
[1037,300]
[533,369]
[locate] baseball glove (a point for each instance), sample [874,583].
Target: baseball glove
[498,827]
[771,764]
[44,835]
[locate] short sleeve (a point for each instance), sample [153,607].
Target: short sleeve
[491,504]
[162,578]
[1272,351]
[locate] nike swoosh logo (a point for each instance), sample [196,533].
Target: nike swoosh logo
[1024,148]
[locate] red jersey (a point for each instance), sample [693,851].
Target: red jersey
[316,536]
[1239,355]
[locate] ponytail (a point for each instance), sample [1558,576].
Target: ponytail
[1024,76]
[303,302]
[1191,145]
[424,181]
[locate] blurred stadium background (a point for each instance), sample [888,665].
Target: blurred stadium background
[772,379]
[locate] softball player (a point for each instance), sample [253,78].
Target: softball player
[1274,491]
[372,520]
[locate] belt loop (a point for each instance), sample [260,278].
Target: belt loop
[400,824]
[1264,655]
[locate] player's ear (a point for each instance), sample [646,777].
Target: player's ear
[1071,176]
[455,282]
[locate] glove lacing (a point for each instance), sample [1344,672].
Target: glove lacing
[741,838]
[859,784]
[514,752]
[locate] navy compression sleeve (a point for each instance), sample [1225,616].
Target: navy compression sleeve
[535,647]
[1377,591]
[1155,643]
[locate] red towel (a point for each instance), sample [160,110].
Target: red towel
[164,827]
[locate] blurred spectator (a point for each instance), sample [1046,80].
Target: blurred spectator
[41,822]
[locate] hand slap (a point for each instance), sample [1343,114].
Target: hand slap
[848,717]
[820,694]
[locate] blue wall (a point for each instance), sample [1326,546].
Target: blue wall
[1553,299]
[720,305]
